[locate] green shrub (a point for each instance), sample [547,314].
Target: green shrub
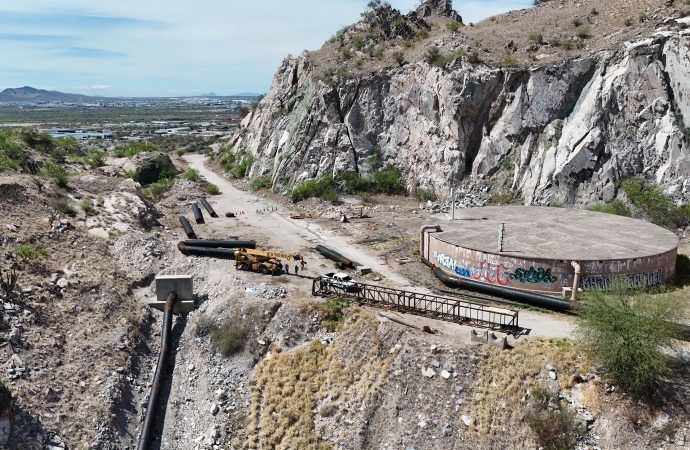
[229,338]
[536,38]
[346,54]
[134,148]
[30,252]
[629,21]
[453,26]
[584,32]
[474,58]
[616,207]
[331,313]
[554,42]
[422,34]
[322,187]
[12,152]
[262,182]
[629,337]
[656,206]
[37,140]
[553,424]
[129,174]
[509,60]
[342,74]
[389,181]
[242,168]
[374,160]
[353,183]
[94,157]
[425,195]
[376,52]
[399,58]
[459,53]
[212,189]
[192,174]
[434,57]
[160,187]
[56,172]
[408,43]
[577,22]
[86,205]
[568,45]
[358,42]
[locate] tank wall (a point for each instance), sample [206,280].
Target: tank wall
[545,275]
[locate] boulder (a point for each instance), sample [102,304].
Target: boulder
[149,167]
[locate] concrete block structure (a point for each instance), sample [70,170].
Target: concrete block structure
[539,245]
[182,285]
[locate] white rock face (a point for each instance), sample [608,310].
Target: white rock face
[562,133]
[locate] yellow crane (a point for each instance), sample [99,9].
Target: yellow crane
[264,261]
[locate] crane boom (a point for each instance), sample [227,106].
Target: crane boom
[269,254]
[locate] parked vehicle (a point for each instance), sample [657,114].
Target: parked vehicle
[264,261]
[342,280]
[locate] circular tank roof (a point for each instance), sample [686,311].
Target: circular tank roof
[555,233]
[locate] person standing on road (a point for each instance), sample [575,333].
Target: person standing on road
[296,269]
[302,263]
[287,268]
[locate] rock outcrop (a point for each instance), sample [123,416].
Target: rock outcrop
[563,133]
[149,167]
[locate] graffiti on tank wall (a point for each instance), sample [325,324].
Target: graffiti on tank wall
[491,274]
[532,275]
[487,272]
[637,280]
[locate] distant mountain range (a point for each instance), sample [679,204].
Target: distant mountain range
[30,94]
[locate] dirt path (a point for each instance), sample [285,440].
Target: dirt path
[294,235]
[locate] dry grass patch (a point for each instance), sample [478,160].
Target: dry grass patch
[291,386]
[506,379]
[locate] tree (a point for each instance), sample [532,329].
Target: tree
[629,335]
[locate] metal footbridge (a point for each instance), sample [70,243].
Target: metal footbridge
[464,312]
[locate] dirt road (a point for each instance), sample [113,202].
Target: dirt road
[294,235]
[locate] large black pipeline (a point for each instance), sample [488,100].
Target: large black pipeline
[149,419]
[231,242]
[335,256]
[187,227]
[208,207]
[543,301]
[198,217]
[221,253]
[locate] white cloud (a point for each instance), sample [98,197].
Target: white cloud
[100,87]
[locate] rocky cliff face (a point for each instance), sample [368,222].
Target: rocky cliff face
[561,133]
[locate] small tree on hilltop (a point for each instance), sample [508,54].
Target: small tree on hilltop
[630,336]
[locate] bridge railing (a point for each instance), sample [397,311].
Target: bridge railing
[449,309]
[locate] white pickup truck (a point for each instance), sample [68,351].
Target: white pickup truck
[341,280]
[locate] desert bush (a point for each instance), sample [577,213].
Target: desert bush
[616,207]
[501,197]
[31,252]
[553,424]
[577,22]
[331,313]
[358,42]
[376,52]
[653,204]
[434,57]
[228,338]
[536,38]
[56,172]
[37,140]
[94,157]
[425,195]
[399,58]
[346,54]
[192,174]
[508,60]
[422,34]
[86,205]
[459,53]
[134,148]
[629,335]
[584,32]
[453,26]
[554,42]
[629,21]
[262,182]
[354,183]
[322,187]
[389,181]
[212,189]
[160,187]
[474,58]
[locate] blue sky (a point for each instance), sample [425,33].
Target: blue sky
[173,47]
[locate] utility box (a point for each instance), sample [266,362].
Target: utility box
[182,285]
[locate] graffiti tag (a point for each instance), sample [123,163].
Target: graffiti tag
[532,275]
[637,280]
[491,274]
